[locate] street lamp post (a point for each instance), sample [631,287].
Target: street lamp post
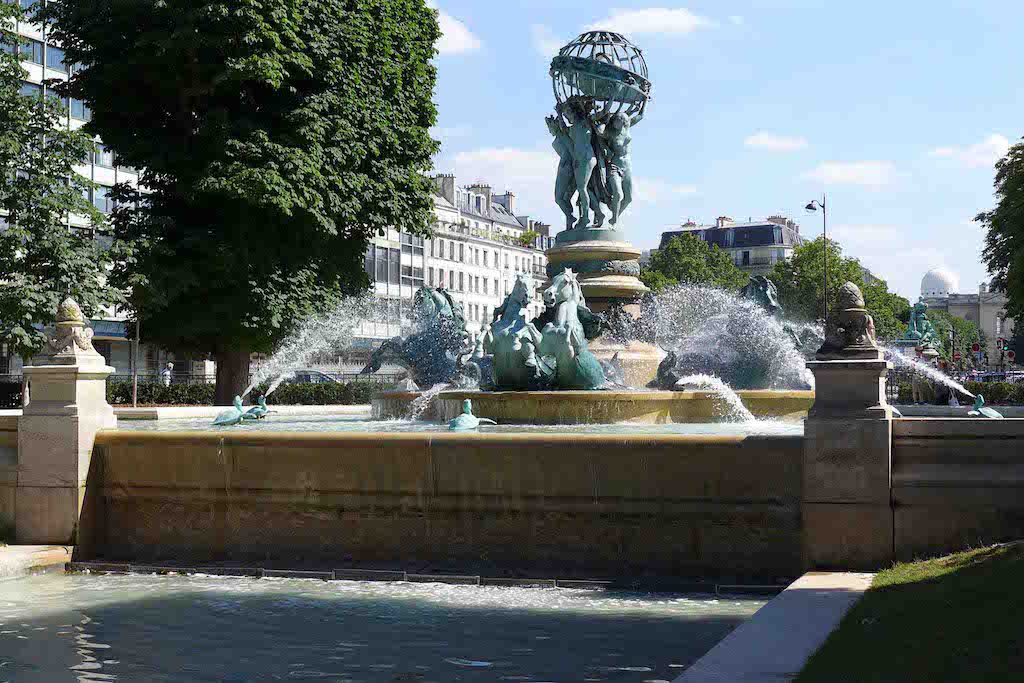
[811,208]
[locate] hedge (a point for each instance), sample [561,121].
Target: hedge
[995,393]
[321,394]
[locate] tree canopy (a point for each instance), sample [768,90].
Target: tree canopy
[273,140]
[42,259]
[800,282]
[1004,225]
[966,334]
[687,259]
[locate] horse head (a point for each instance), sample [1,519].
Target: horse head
[565,287]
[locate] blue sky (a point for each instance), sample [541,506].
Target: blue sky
[898,110]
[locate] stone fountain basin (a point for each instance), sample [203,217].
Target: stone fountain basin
[595,407]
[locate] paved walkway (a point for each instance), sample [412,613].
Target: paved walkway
[16,560]
[774,645]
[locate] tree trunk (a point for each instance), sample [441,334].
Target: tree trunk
[232,376]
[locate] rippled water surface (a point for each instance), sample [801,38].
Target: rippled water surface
[83,627]
[336,423]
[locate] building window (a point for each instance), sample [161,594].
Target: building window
[462,253]
[485,258]
[103,156]
[31,51]
[79,110]
[485,284]
[430,276]
[55,59]
[31,89]
[101,199]
[462,282]
[778,235]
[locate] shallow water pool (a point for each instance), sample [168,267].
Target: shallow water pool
[88,627]
[336,423]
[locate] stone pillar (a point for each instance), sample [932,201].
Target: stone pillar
[608,268]
[67,407]
[847,466]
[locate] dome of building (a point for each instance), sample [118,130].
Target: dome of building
[939,283]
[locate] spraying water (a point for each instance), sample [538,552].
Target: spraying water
[713,332]
[735,411]
[929,371]
[331,331]
[420,404]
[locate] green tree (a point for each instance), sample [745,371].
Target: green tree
[42,259]
[689,260]
[890,311]
[274,139]
[527,238]
[965,332]
[1004,225]
[800,279]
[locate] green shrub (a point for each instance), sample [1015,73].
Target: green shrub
[998,393]
[318,394]
[119,393]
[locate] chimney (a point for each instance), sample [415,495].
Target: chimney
[507,200]
[722,221]
[445,184]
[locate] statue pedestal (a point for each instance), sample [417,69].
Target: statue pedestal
[67,407]
[608,268]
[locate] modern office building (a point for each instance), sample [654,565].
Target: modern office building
[755,246]
[43,60]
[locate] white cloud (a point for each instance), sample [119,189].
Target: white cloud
[651,20]
[775,143]
[529,173]
[545,40]
[736,20]
[867,173]
[982,154]
[456,38]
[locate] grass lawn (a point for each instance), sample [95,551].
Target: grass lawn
[957,618]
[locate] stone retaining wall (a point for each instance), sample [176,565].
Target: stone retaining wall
[8,472]
[567,504]
[956,484]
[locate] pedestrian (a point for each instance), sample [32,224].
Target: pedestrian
[165,375]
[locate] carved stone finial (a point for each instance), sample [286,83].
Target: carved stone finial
[72,344]
[850,330]
[69,312]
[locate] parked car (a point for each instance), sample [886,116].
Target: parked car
[310,377]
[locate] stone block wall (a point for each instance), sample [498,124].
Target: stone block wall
[956,484]
[587,505]
[8,474]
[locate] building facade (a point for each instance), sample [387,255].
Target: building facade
[986,309]
[755,246]
[44,61]
[479,246]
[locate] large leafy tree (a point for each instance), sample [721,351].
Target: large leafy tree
[800,281]
[274,139]
[1004,241]
[42,259]
[687,259]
